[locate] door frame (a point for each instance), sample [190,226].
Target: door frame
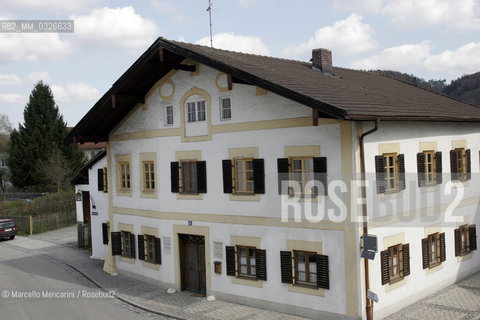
[197,241]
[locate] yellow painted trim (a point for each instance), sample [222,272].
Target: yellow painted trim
[164,79]
[197,67]
[150,157]
[194,230]
[165,83]
[128,260]
[260,91]
[150,231]
[219,87]
[188,155]
[181,196]
[250,242]
[151,265]
[457,144]
[393,240]
[395,285]
[168,132]
[435,228]
[208,100]
[244,197]
[301,151]
[251,152]
[464,257]
[434,269]
[123,158]
[125,227]
[427,146]
[388,148]
[110,265]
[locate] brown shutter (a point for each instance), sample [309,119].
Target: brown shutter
[380,170]
[442,247]
[320,172]
[385,266]
[141,247]
[438,166]
[132,245]
[105,232]
[283,173]
[227,176]
[406,259]
[469,164]
[458,242]
[421,169]
[323,276]
[174,176]
[116,238]
[261,264]
[158,251]
[401,172]
[472,231]
[258,176]
[453,164]
[230,257]
[202,176]
[100,179]
[286,266]
[425,253]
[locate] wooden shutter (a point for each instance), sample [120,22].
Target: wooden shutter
[230,257]
[100,179]
[141,247]
[323,277]
[258,176]
[425,253]
[174,176]
[380,171]
[472,231]
[116,238]
[453,164]
[286,266]
[385,266]
[406,259]
[132,245]
[105,232]
[438,166]
[443,254]
[261,264]
[158,251]
[458,242]
[401,172]
[283,173]
[320,172]
[421,169]
[469,164]
[202,176]
[227,176]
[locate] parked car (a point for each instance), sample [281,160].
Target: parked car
[8,228]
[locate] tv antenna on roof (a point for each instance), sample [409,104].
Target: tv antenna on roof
[209,9]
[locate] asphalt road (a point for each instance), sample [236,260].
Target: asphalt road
[34,286]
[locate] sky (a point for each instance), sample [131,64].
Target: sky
[432,39]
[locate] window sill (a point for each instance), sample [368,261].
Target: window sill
[251,282]
[189,196]
[151,265]
[306,289]
[149,194]
[435,268]
[244,197]
[464,256]
[306,285]
[395,284]
[127,259]
[124,193]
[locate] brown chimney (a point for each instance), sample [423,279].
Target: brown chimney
[322,60]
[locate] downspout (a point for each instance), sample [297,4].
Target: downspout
[369,304]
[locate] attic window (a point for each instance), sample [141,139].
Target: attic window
[195,111]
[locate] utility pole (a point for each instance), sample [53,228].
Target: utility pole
[209,9]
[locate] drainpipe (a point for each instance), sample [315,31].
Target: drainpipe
[369,303]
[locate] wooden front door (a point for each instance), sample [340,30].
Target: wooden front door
[86,206]
[192,261]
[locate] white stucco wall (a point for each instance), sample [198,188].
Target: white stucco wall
[79,204]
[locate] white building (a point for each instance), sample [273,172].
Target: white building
[210,159]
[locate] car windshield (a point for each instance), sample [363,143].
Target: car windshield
[8,224]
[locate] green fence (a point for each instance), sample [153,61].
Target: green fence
[41,223]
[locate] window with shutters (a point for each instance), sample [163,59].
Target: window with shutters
[391,172]
[395,263]
[128,249]
[390,169]
[189,176]
[305,268]
[150,246]
[148,176]
[429,168]
[149,249]
[430,172]
[124,168]
[303,175]
[246,261]
[465,239]
[460,164]
[243,177]
[102,179]
[225,109]
[433,250]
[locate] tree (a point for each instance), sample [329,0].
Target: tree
[5,130]
[39,138]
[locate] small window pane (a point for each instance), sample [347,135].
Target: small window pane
[201,110]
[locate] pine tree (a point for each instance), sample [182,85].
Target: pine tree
[38,138]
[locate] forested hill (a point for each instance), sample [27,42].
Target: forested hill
[465,88]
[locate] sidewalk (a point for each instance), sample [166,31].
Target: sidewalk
[459,301]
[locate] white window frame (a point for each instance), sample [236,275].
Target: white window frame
[222,118]
[166,115]
[196,110]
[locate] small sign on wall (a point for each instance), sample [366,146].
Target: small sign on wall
[94,213]
[218,250]
[190,222]
[167,245]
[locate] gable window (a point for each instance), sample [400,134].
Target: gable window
[465,239]
[123,243]
[148,175]
[188,176]
[300,171]
[429,168]
[460,164]
[305,268]
[225,109]
[196,111]
[433,250]
[246,262]
[124,176]
[168,115]
[243,176]
[395,263]
[390,170]
[149,249]
[102,179]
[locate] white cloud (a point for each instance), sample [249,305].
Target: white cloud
[34,77]
[345,37]
[396,58]
[9,80]
[48,4]
[465,59]
[463,14]
[32,46]
[13,98]
[364,6]
[167,8]
[77,91]
[115,28]
[247,3]
[239,43]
